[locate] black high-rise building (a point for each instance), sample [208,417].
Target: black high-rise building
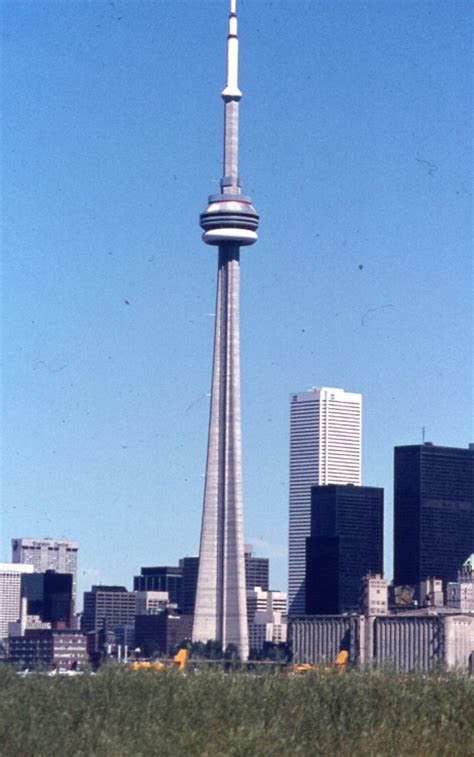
[433,512]
[190,568]
[162,578]
[162,633]
[49,596]
[346,543]
[257,570]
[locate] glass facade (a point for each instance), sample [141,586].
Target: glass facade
[346,543]
[48,595]
[433,512]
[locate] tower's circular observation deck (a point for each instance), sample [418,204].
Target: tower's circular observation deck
[229,218]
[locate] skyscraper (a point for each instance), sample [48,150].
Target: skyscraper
[190,567]
[433,512]
[108,607]
[346,543]
[162,578]
[49,596]
[10,594]
[325,448]
[48,554]
[229,222]
[257,570]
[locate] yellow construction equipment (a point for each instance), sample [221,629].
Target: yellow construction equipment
[342,658]
[179,661]
[146,665]
[339,664]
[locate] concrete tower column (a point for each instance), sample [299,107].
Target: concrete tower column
[229,222]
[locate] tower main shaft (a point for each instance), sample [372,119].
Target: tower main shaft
[229,222]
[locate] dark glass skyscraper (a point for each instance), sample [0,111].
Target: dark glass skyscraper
[190,568]
[49,595]
[346,543]
[161,578]
[257,570]
[433,512]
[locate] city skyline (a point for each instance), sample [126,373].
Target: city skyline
[357,155]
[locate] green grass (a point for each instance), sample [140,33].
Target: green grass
[211,713]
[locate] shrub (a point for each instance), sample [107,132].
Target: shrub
[210,712]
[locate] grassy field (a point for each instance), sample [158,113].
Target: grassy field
[117,713]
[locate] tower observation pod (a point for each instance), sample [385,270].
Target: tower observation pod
[229,222]
[230,217]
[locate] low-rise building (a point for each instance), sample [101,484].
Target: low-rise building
[61,649]
[424,641]
[124,638]
[160,634]
[460,593]
[374,595]
[267,621]
[431,593]
[27,622]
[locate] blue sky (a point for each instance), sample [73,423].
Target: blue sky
[355,134]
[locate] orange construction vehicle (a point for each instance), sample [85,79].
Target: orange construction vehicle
[340,663]
[179,661]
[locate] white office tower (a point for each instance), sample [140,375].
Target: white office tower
[59,555]
[266,611]
[325,448]
[10,594]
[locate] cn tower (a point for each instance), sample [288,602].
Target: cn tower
[229,222]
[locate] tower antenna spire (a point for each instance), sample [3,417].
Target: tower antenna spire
[232,90]
[231,94]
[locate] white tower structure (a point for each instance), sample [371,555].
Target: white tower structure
[229,222]
[325,448]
